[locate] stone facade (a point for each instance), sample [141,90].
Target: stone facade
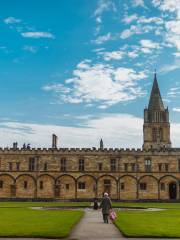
[150,173]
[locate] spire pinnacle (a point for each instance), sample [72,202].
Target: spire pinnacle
[155,102]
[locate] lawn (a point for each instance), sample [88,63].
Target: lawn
[149,224]
[44,204]
[24,222]
[147,205]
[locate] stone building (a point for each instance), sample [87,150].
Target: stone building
[150,173]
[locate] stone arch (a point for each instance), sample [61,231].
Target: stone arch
[65,187]
[63,175]
[90,186]
[6,190]
[151,191]
[164,183]
[127,187]
[25,192]
[45,186]
[107,183]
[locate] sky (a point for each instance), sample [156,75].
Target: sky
[84,70]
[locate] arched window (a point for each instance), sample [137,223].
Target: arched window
[154,134]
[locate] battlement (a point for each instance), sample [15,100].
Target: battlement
[93,150]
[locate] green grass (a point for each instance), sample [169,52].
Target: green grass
[43,204]
[147,205]
[24,222]
[149,224]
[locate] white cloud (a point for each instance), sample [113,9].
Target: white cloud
[170,67]
[145,20]
[146,43]
[87,134]
[114,55]
[176,109]
[12,20]
[173,32]
[138,3]
[174,92]
[129,32]
[37,35]
[171,6]
[102,39]
[29,48]
[130,18]
[177,54]
[102,84]
[104,6]
[136,29]
[132,54]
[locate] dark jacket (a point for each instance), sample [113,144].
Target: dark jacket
[106,205]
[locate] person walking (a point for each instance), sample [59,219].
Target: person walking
[96,206]
[106,205]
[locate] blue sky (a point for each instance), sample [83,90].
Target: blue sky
[84,69]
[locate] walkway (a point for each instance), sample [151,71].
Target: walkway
[91,227]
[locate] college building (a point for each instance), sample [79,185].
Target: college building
[150,173]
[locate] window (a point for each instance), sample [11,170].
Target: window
[143,186]
[126,167]
[41,185]
[10,166]
[17,166]
[107,182]
[161,134]
[100,166]
[148,165]
[63,164]
[1,184]
[113,164]
[32,164]
[133,167]
[179,165]
[107,185]
[81,164]
[122,186]
[160,167]
[25,184]
[162,186]
[154,134]
[166,167]
[45,166]
[137,167]
[67,186]
[81,185]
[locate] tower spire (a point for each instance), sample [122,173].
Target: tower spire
[156,128]
[155,102]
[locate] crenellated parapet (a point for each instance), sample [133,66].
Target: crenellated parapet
[87,151]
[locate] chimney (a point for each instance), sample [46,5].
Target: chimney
[101,144]
[54,141]
[15,145]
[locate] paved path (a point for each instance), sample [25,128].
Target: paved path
[91,227]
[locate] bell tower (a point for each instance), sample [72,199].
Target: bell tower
[156,128]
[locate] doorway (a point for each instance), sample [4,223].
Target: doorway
[173,190]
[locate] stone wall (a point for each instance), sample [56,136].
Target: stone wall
[127,179]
